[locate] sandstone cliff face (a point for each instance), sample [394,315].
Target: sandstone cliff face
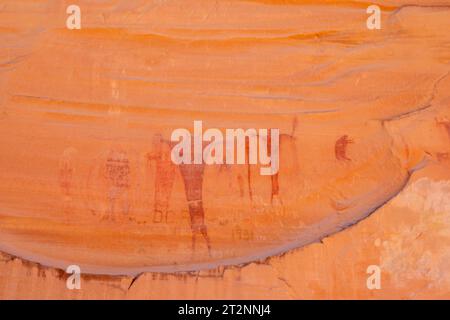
[85,170]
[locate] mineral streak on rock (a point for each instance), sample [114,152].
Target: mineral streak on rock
[86,177]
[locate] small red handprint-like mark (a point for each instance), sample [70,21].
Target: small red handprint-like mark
[340,148]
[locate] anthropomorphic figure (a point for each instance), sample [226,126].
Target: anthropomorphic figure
[117,174]
[164,177]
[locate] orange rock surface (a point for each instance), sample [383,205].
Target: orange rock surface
[85,171]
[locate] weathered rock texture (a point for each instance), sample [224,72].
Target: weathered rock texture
[85,170]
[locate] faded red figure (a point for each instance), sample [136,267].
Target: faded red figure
[164,179]
[65,175]
[117,173]
[340,148]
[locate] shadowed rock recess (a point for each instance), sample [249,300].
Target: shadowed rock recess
[86,176]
